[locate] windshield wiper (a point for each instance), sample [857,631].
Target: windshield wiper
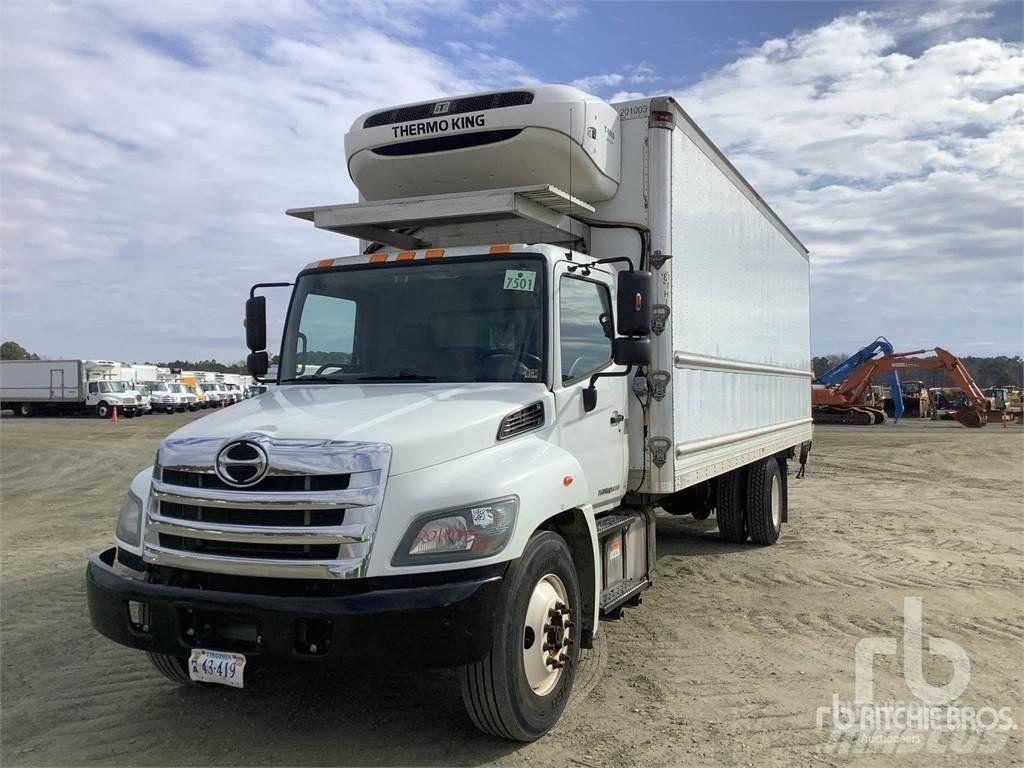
[312,380]
[396,377]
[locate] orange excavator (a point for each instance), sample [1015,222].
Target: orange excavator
[841,403]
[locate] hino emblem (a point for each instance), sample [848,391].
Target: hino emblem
[242,463]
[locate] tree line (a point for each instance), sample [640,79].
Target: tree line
[995,371]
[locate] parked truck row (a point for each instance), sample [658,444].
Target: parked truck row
[563,314]
[31,387]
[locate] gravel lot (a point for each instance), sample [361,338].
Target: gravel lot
[725,663]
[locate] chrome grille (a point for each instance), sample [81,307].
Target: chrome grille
[314,515]
[274,483]
[249,549]
[258,517]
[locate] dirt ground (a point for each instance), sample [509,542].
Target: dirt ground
[725,663]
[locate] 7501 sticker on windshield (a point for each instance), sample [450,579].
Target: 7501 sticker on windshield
[520,279]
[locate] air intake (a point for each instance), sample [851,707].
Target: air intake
[529,418]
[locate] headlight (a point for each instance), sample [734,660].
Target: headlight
[476,531]
[129,524]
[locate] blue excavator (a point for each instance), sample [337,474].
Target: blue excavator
[859,414]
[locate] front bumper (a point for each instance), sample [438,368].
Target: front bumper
[394,620]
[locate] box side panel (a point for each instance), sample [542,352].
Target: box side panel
[739,316]
[39,380]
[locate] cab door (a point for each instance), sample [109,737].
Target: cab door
[584,329]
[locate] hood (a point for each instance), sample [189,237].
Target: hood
[425,424]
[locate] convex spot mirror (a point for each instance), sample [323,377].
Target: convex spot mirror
[258,363]
[631,351]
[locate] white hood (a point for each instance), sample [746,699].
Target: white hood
[425,424]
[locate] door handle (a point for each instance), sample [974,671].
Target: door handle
[617,418]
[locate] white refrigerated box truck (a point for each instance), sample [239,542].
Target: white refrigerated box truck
[30,387]
[563,315]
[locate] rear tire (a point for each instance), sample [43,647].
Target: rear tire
[174,668]
[25,410]
[512,692]
[766,501]
[731,507]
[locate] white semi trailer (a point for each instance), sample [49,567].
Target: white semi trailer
[564,314]
[30,387]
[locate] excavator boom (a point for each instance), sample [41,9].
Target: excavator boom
[846,393]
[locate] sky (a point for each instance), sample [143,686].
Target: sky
[148,150]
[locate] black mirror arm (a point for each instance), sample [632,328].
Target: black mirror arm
[613,260]
[590,393]
[252,291]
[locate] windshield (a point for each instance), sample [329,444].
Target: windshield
[157,387]
[176,388]
[112,386]
[455,320]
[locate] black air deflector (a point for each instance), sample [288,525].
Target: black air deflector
[455,107]
[445,143]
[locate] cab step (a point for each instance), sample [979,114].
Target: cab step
[623,592]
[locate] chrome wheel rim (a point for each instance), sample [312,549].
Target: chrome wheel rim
[547,634]
[776,502]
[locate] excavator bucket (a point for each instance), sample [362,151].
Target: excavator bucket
[970,417]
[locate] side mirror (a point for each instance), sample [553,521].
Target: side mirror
[631,351]
[256,323]
[634,301]
[258,364]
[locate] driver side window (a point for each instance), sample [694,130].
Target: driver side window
[329,323]
[584,316]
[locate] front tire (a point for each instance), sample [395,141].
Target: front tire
[103,411]
[173,668]
[766,501]
[519,690]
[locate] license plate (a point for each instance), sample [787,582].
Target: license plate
[216,667]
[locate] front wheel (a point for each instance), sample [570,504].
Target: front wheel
[174,668]
[103,411]
[518,691]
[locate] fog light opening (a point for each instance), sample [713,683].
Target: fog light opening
[138,615]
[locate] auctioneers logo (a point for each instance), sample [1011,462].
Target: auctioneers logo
[931,724]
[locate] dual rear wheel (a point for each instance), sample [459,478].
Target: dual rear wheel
[751,502]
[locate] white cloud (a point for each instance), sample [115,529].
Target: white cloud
[145,173]
[147,156]
[631,74]
[903,174]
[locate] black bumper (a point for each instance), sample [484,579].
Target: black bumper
[433,624]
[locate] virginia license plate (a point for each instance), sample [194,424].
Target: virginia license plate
[216,667]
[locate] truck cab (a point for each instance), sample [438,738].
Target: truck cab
[477,412]
[107,394]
